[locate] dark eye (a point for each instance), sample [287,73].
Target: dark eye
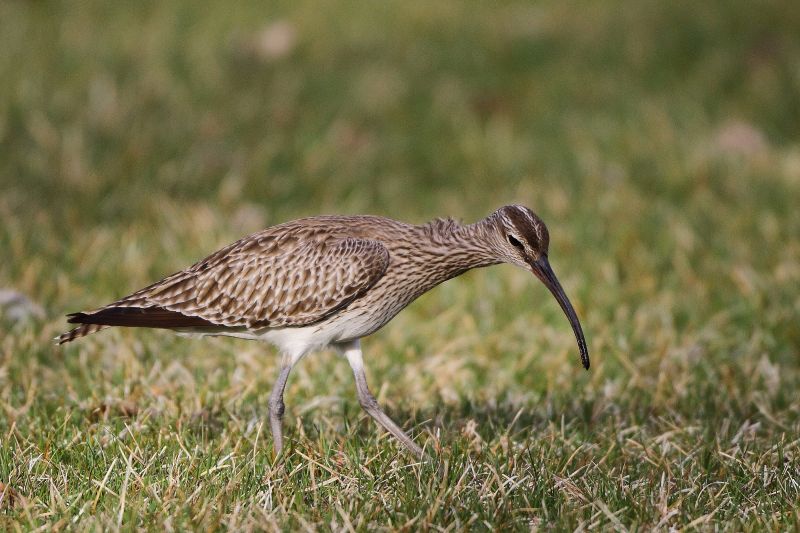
[515,243]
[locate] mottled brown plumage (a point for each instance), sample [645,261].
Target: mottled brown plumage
[328,280]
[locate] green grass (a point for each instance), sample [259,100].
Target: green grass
[659,140]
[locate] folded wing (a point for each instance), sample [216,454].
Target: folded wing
[256,282]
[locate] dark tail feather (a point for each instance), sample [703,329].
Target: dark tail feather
[77,333]
[138,317]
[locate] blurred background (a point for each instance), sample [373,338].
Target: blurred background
[658,140]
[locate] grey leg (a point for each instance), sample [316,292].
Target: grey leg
[352,351]
[276,407]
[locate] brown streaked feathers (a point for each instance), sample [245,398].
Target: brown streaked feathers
[289,275]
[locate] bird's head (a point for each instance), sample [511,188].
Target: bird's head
[520,237]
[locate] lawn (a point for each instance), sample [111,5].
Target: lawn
[660,141]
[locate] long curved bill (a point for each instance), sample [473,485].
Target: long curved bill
[542,269]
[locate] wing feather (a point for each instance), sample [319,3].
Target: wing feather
[268,282]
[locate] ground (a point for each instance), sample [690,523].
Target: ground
[659,141]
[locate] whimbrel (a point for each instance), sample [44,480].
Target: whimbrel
[328,281]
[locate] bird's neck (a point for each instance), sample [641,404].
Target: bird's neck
[453,248]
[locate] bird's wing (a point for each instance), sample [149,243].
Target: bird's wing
[264,283]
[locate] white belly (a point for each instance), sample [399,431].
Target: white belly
[295,342]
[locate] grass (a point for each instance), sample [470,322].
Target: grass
[658,140]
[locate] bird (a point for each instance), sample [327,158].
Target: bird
[329,281]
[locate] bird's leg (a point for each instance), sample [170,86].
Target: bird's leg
[352,351]
[276,405]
